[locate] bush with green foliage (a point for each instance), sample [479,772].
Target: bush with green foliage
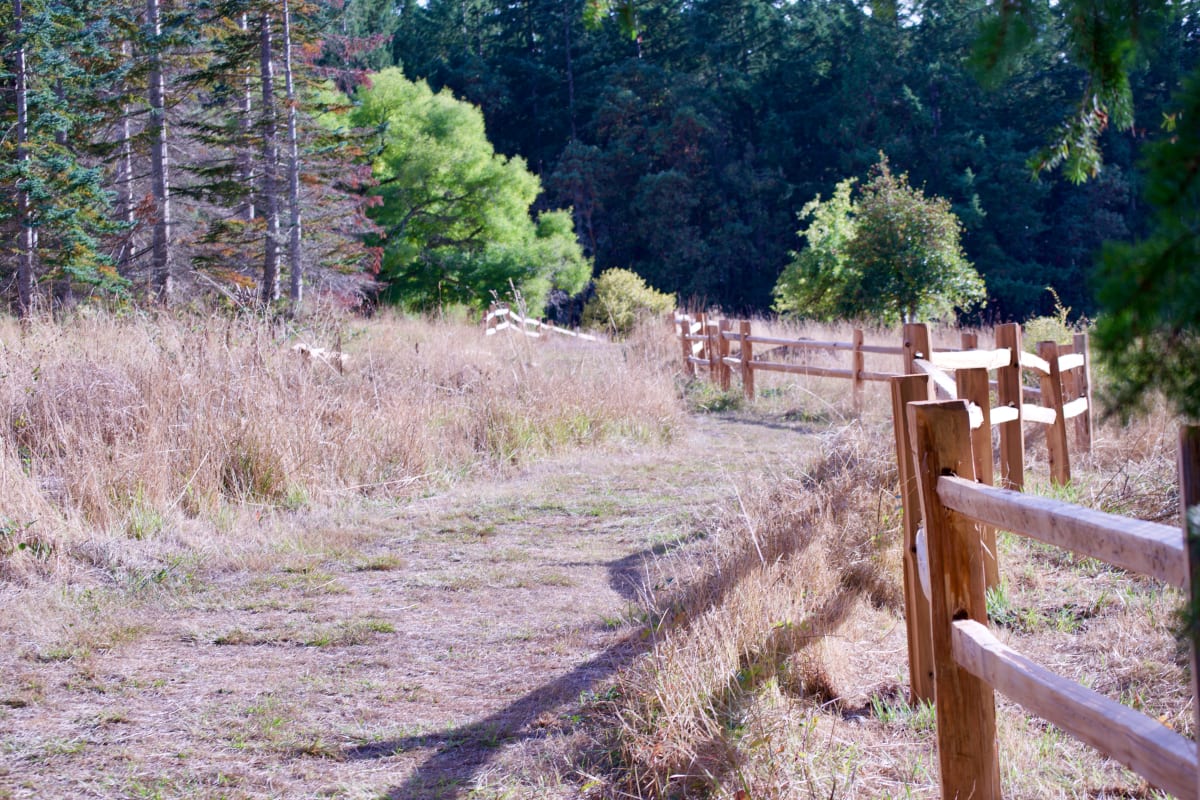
[622,298]
[889,254]
[453,212]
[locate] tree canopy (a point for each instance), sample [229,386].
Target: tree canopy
[890,254]
[453,213]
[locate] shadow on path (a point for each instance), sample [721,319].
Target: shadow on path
[463,752]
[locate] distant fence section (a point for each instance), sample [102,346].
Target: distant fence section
[502,318]
[953,655]
[1063,391]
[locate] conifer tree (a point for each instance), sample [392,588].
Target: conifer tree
[51,191]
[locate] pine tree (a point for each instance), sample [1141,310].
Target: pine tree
[52,191]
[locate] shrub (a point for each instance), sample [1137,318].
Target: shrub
[889,254]
[622,298]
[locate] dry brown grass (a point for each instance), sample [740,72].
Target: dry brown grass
[146,458]
[163,431]
[779,669]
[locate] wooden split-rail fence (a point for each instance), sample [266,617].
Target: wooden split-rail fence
[503,318]
[951,513]
[1062,372]
[954,658]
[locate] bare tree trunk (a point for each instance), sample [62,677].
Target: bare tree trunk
[25,252]
[125,164]
[567,18]
[245,123]
[125,172]
[270,189]
[295,263]
[160,186]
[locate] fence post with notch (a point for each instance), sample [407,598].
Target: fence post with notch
[966,706]
[1009,393]
[916,345]
[908,389]
[746,353]
[858,365]
[1083,389]
[1056,431]
[725,373]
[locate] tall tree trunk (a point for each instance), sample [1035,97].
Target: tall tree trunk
[245,124]
[125,171]
[64,294]
[26,246]
[568,16]
[160,186]
[295,263]
[125,164]
[270,188]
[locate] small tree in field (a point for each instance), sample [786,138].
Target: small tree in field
[890,254]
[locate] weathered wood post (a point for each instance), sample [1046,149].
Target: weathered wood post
[1056,432]
[858,365]
[746,352]
[916,345]
[972,386]
[724,372]
[1009,393]
[908,389]
[685,333]
[966,705]
[1189,496]
[713,350]
[1083,388]
[970,340]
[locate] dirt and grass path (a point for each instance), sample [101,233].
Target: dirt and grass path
[444,646]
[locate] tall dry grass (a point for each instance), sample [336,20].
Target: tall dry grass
[779,670]
[120,428]
[758,628]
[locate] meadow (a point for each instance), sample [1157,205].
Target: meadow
[193,491]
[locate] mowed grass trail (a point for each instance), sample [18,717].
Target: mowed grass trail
[445,646]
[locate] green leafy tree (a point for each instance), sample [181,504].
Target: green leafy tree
[890,254]
[820,283]
[454,214]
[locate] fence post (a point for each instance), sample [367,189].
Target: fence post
[916,342]
[713,352]
[966,705]
[907,389]
[1056,432]
[685,331]
[746,351]
[724,371]
[1189,496]
[1008,393]
[970,340]
[1083,388]
[972,386]
[858,365]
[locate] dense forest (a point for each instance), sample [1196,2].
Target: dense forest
[166,150]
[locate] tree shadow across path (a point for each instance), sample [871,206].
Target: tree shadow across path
[462,753]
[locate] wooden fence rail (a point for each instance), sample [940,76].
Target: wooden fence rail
[1062,372]
[502,318]
[965,663]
